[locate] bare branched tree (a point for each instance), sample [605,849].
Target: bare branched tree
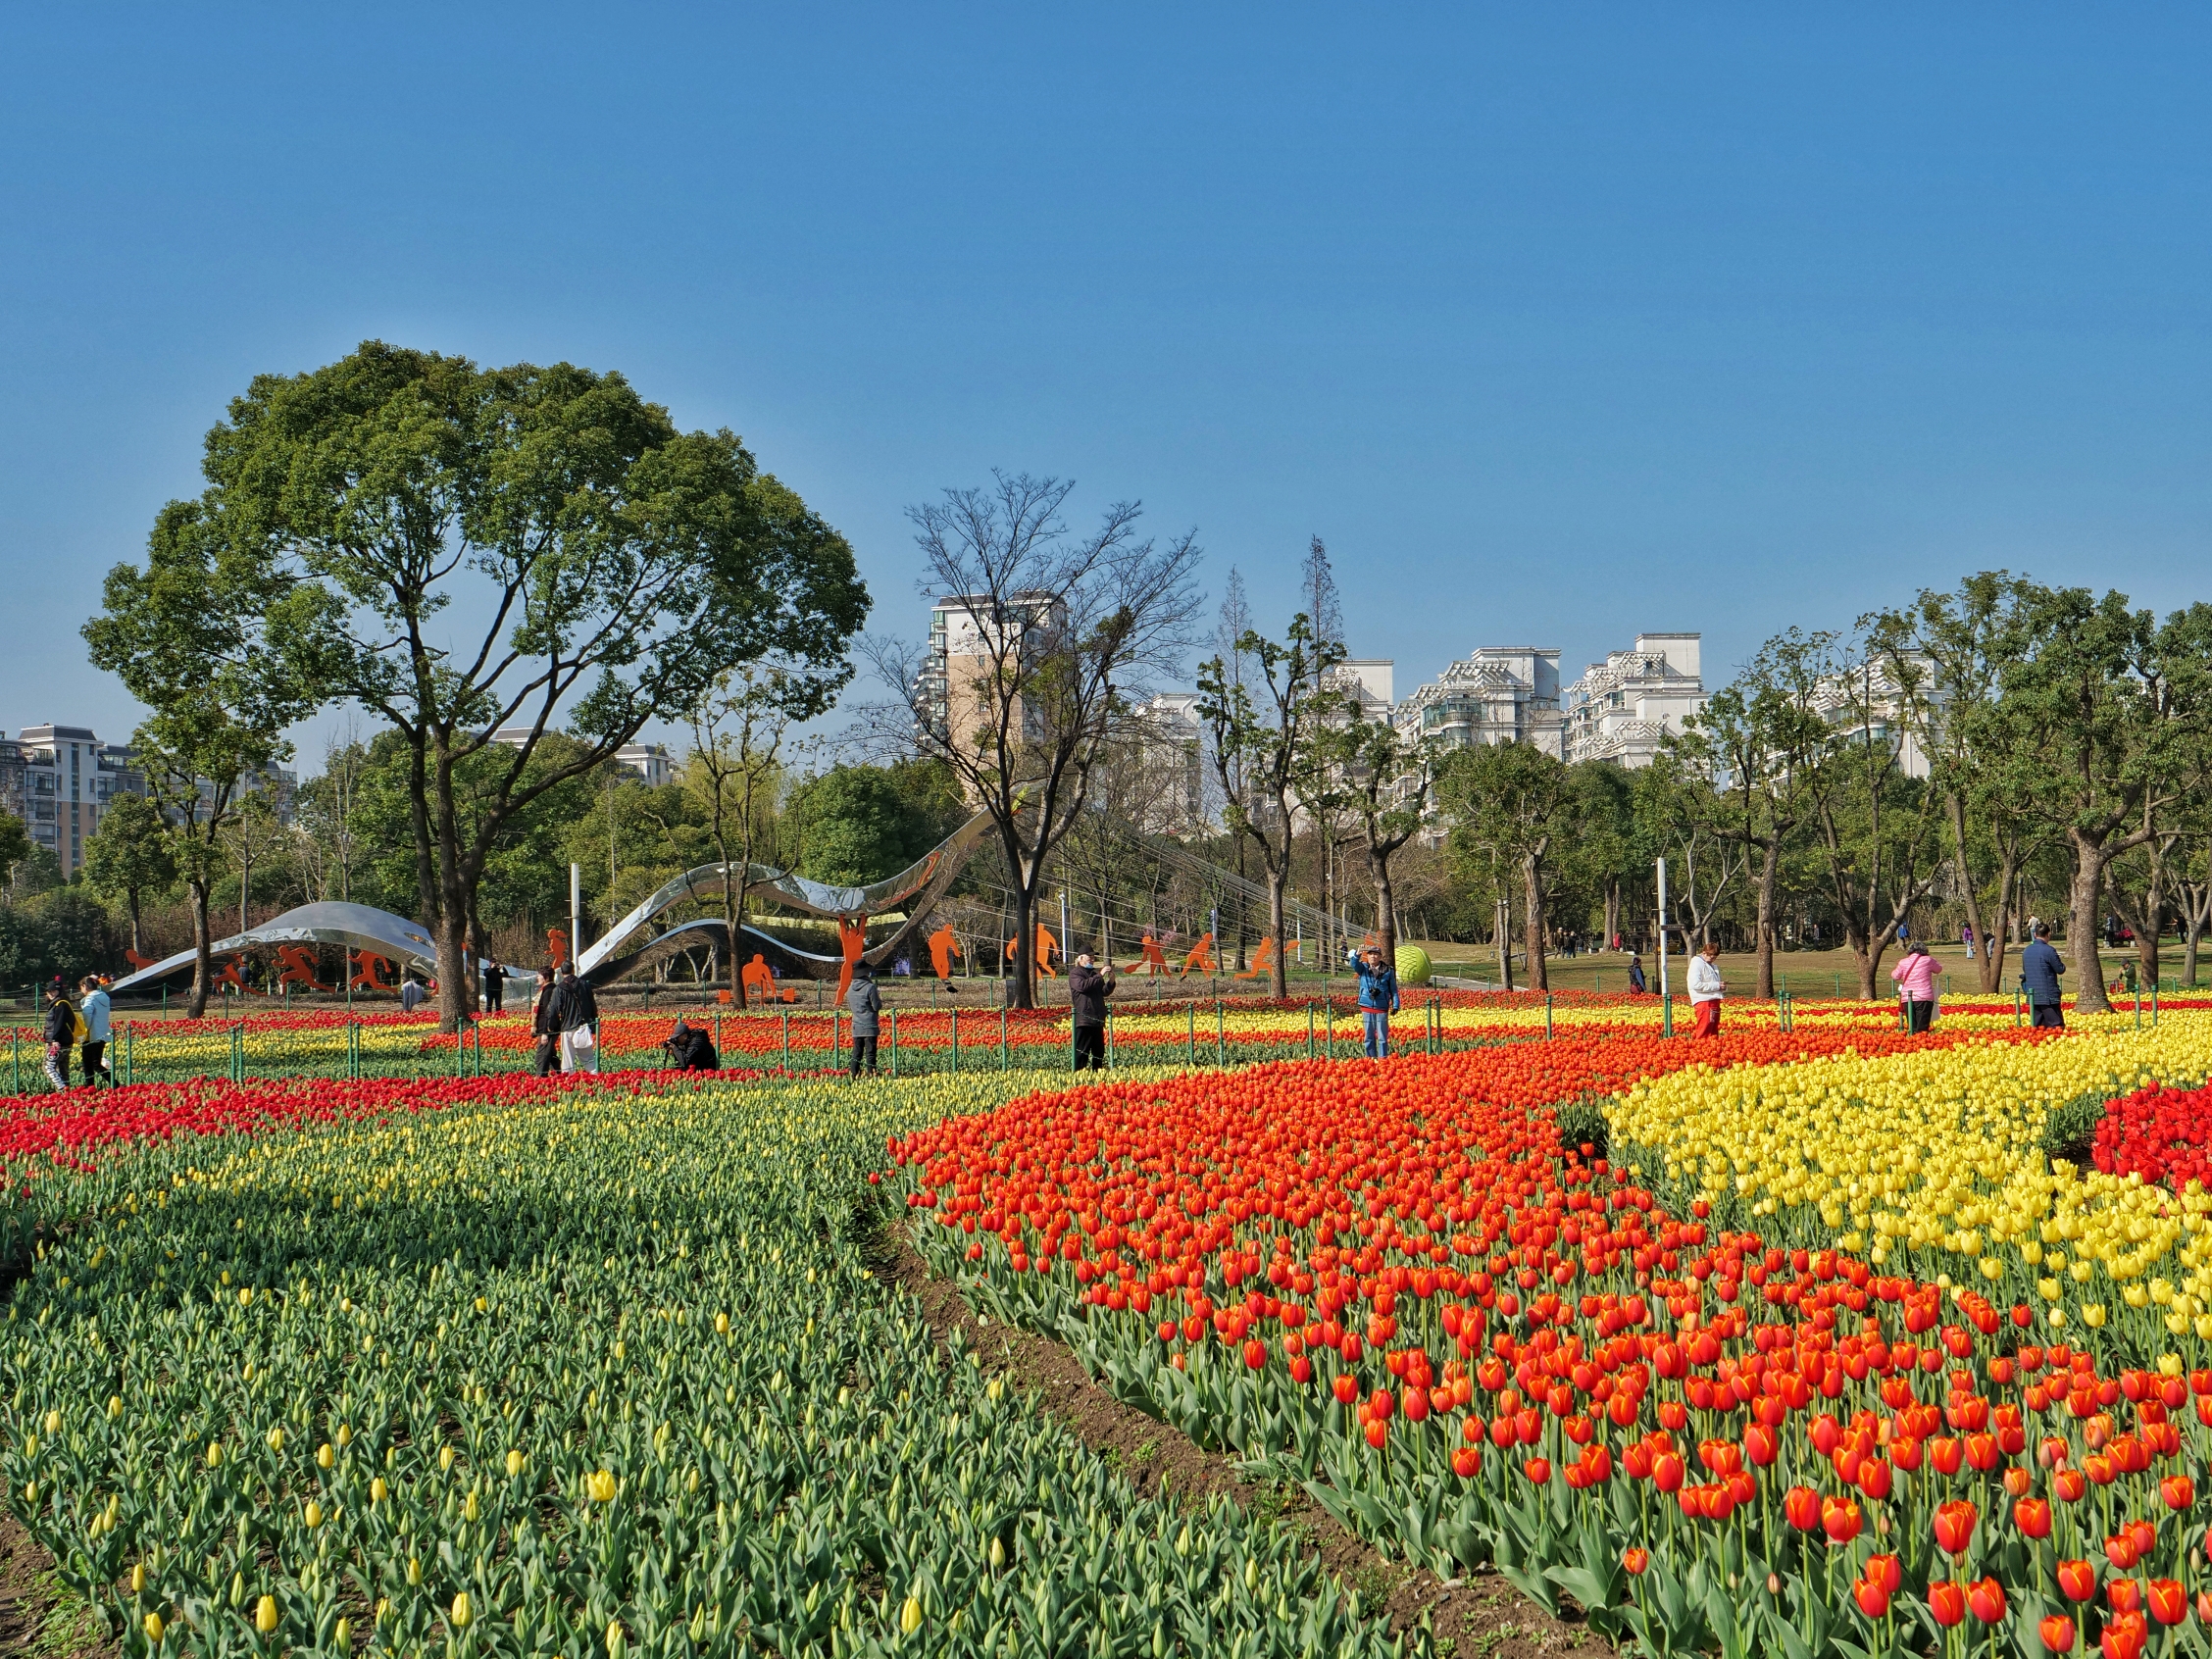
[1048,634]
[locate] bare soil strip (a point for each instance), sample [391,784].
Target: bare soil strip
[1478,1616]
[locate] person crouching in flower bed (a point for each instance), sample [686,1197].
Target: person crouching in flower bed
[1705,990]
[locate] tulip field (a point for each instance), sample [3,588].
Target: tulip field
[1812,1338]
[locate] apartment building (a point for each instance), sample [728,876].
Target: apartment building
[1623,707]
[1497,695]
[59,780]
[651,763]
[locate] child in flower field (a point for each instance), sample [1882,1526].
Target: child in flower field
[1378,999]
[1705,990]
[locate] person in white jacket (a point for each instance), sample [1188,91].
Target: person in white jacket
[1705,991]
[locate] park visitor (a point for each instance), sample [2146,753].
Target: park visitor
[575,1016]
[2040,970]
[1636,987]
[1088,987]
[1966,938]
[494,987]
[62,1027]
[1378,999]
[95,1012]
[691,1049]
[542,1028]
[1705,990]
[1915,974]
[864,1001]
[411,992]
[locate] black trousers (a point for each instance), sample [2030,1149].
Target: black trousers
[547,1059]
[1919,1015]
[492,994]
[95,1063]
[1091,1047]
[2046,1014]
[864,1052]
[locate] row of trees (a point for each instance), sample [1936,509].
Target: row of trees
[462,552]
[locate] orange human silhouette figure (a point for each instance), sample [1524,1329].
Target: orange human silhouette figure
[1046,947]
[557,946]
[760,981]
[298,968]
[1201,957]
[135,960]
[1154,961]
[368,970]
[227,974]
[1262,960]
[852,940]
[943,947]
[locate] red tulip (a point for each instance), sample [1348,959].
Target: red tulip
[2057,1632]
[2123,1595]
[2033,1516]
[1875,1478]
[1872,1599]
[1467,1463]
[2077,1580]
[2168,1600]
[2070,1485]
[1954,1526]
[1987,1598]
[2125,1638]
[1346,1386]
[1667,1473]
[2119,1550]
[1255,1355]
[1841,1520]
[1537,1470]
[1801,1506]
[2177,1492]
[1636,1561]
[1886,1571]
[1946,1600]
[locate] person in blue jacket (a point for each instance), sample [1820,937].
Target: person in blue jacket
[2039,969]
[1378,999]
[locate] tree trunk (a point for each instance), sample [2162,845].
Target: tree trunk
[1770,867]
[1278,879]
[1533,919]
[1613,911]
[729,932]
[1502,923]
[1385,904]
[2082,920]
[137,945]
[203,957]
[2194,931]
[1025,884]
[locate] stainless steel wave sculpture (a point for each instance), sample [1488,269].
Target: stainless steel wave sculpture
[357,927]
[913,890]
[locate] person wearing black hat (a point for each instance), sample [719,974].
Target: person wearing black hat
[61,1032]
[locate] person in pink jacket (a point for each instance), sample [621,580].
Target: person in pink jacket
[1915,974]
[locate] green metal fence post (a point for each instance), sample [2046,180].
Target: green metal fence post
[1547,1016]
[956,1041]
[1667,1014]
[894,1042]
[1002,1035]
[1192,1033]
[786,1039]
[1221,1034]
[1309,1029]
[837,1042]
[2154,1007]
[1109,1040]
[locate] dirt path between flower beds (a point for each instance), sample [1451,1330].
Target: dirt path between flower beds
[1478,1616]
[28,1605]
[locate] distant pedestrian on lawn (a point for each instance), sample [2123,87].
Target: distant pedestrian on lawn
[1966,938]
[2040,970]
[1705,990]
[1915,974]
[1636,987]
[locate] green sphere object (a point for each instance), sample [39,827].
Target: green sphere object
[1414,967]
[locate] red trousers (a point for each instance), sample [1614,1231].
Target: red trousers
[1705,1019]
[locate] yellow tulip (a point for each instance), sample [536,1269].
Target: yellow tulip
[265,1614]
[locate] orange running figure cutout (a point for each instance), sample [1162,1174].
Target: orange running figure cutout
[1046,949]
[852,940]
[1262,960]
[1154,961]
[1201,957]
[943,947]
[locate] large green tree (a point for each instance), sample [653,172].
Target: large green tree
[469,550]
[128,857]
[2115,703]
[854,825]
[186,634]
[1387,783]
[1508,805]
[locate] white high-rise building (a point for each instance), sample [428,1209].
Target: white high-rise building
[1621,708]
[1499,695]
[60,780]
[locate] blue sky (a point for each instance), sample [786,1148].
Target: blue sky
[1557,322]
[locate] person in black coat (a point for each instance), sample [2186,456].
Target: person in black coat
[60,1032]
[542,1028]
[1088,987]
[494,987]
[691,1049]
